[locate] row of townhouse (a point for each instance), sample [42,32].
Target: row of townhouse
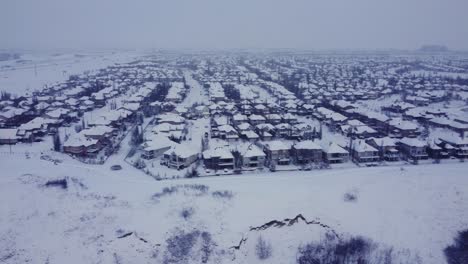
[257,127]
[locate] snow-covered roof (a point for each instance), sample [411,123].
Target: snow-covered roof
[362,146]
[332,147]
[218,152]
[384,142]
[8,133]
[79,140]
[277,145]
[253,151]
[182,150]
[307,144]
[403,124]
[158,142]
[413,142]
[454,139]
[97,131]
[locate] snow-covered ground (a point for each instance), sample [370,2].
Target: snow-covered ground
[196,93]
[109,216]
[36,70]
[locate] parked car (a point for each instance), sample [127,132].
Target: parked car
[116,167]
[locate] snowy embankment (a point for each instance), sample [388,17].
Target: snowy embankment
[105,216]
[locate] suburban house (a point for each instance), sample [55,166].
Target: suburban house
[253,157]
[238,119]
[173,119]
[250,135]
[256,119]
[412,148]
[80,145]
[387,148]
[332,153]
[306,152]
[403,128]
[274,118]
[277,152]
[362,152]
[8,136]
[458,143]
[435,151]
[228,133]
[283,130]
[101,133]
[156,147]
[218,158]
[179,156]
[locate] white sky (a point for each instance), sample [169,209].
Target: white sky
[304,24]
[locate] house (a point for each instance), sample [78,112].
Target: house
[256,119]
[243,127]
[170,118]
[228,133]
[218,158]
[274,119]
[38,126]
[403,128]
[59,114]
[331,117]
[277,153]
[306,152]
[412,148]
[179,156]
[79,144]
[436,152]
[9,136]
[459,127]
[304,131]
[250,135]
[238,119]
[156,147]
[362,152]
[387,148]
[289,118]
[459,144]
[332,153]
[101,133]
[355,128]
[253,157]
[283,130]
[265,135]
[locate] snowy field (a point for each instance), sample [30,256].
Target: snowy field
[106,216]
[35,70]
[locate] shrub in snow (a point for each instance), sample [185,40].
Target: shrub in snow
[188,189]
[352,250]
[263,249]
[350,197]
[192,173]
[61,183]
[165,191]
[193,247]
[199,188]
[206,247]
[79,183]
[186,213]
[457,253]
[223,194]
[330,251]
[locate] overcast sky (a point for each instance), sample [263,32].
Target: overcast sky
[205,24]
